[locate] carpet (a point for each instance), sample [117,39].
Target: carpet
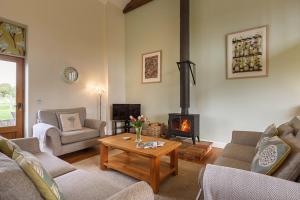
[181,187]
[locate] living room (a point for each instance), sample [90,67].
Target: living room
[86,56]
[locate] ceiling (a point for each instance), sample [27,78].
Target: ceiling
[119,3]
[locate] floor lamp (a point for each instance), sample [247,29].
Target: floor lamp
[100,92]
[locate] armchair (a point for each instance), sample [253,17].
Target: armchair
[53,140]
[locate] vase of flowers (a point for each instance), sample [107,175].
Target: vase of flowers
[137,123]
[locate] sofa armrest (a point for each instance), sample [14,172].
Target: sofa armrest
[49,137]
[96,124]
[249,138]
[137,191]
[234,184]
[28,144]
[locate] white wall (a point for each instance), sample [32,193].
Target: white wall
[224,105]
[254,103]
[115,39]
[60,33]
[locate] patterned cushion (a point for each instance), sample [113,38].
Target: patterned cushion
[38,175]
[69,121]
[271,154]
[269,132]
[7,147]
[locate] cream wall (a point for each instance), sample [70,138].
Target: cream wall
[115,39]
[60,33]
[224,105]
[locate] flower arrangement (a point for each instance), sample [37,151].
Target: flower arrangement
[137,123]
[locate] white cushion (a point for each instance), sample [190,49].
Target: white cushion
[70,122]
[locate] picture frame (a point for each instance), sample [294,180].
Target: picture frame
[247,53]
[151,67]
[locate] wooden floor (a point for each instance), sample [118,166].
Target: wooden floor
[87,153]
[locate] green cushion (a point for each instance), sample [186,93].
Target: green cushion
[38,175]
[270,155]
[269,132]
[7,147]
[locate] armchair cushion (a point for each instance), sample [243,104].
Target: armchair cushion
[69,122]
[79,135]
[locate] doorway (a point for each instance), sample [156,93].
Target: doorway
[11,96]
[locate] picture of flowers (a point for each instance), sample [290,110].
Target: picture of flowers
[151,72]
[247,53]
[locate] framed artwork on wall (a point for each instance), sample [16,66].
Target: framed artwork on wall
[12,39]
[151,67]
[247,53]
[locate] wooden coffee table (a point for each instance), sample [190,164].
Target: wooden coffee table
[142,164]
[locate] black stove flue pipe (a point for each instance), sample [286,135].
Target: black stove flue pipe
[184,56]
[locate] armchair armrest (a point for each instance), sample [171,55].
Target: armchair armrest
[234,184]
[28,144]
[137,191]
[249,138]
[96,124]
[49,137]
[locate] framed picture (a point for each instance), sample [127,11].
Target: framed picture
[247,53]
[151,72]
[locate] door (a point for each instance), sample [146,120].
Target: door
[11,96]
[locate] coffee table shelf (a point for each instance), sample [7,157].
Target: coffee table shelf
[137,166]
[142,164]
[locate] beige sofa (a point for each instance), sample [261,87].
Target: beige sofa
[54,140]
[230,177]
[73,183]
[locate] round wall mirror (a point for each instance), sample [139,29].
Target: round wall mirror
[70,74]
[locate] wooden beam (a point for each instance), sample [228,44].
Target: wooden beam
[133,4]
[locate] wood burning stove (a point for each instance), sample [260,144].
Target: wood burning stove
[184,124]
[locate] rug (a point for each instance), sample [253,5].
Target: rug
[184,186]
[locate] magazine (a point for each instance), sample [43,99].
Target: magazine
[153,144]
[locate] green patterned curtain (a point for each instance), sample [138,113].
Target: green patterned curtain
[12,39]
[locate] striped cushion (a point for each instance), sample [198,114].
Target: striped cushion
[7,147]
[38,175]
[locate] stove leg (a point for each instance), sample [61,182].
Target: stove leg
[194,140]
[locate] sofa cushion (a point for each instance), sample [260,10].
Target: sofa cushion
[79,135]
[269,132]
[55,166]
[79,185]
[233,163]
[38,175]
[295,123]
[270,156]
[14,184]
[285,129]
[69,122]
[7,147]
[49,116]
[290,169]
[239,152]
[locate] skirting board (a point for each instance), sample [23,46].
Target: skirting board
[216,144]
